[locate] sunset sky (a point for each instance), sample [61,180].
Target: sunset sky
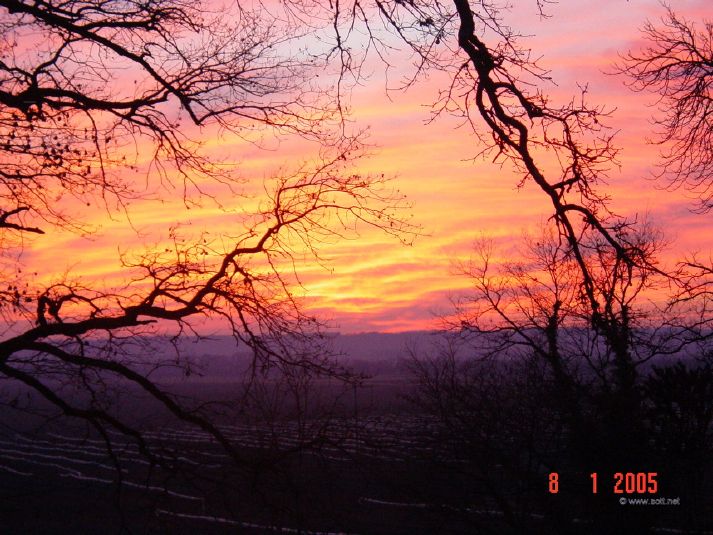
[374,283]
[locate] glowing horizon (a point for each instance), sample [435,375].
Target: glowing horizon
[374,283]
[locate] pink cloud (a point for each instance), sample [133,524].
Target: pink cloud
[375,284]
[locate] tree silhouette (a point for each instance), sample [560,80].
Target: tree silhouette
[536,387]
[581,313]
[88,88]
[88,91]
[494,88]
[577,308]
[676,63]
[82,80]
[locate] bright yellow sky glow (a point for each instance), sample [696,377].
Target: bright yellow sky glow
[375,284]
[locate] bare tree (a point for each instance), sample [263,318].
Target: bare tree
[585,316]
[68,122]
[497,424]
[676,63]
[541,388]
[84,81]
[88,90]
[495,89]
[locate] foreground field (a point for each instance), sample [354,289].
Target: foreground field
[369,463]
[363,477]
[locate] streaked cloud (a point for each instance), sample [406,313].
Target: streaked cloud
[373,283]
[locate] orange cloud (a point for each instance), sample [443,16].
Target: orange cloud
[372,282]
